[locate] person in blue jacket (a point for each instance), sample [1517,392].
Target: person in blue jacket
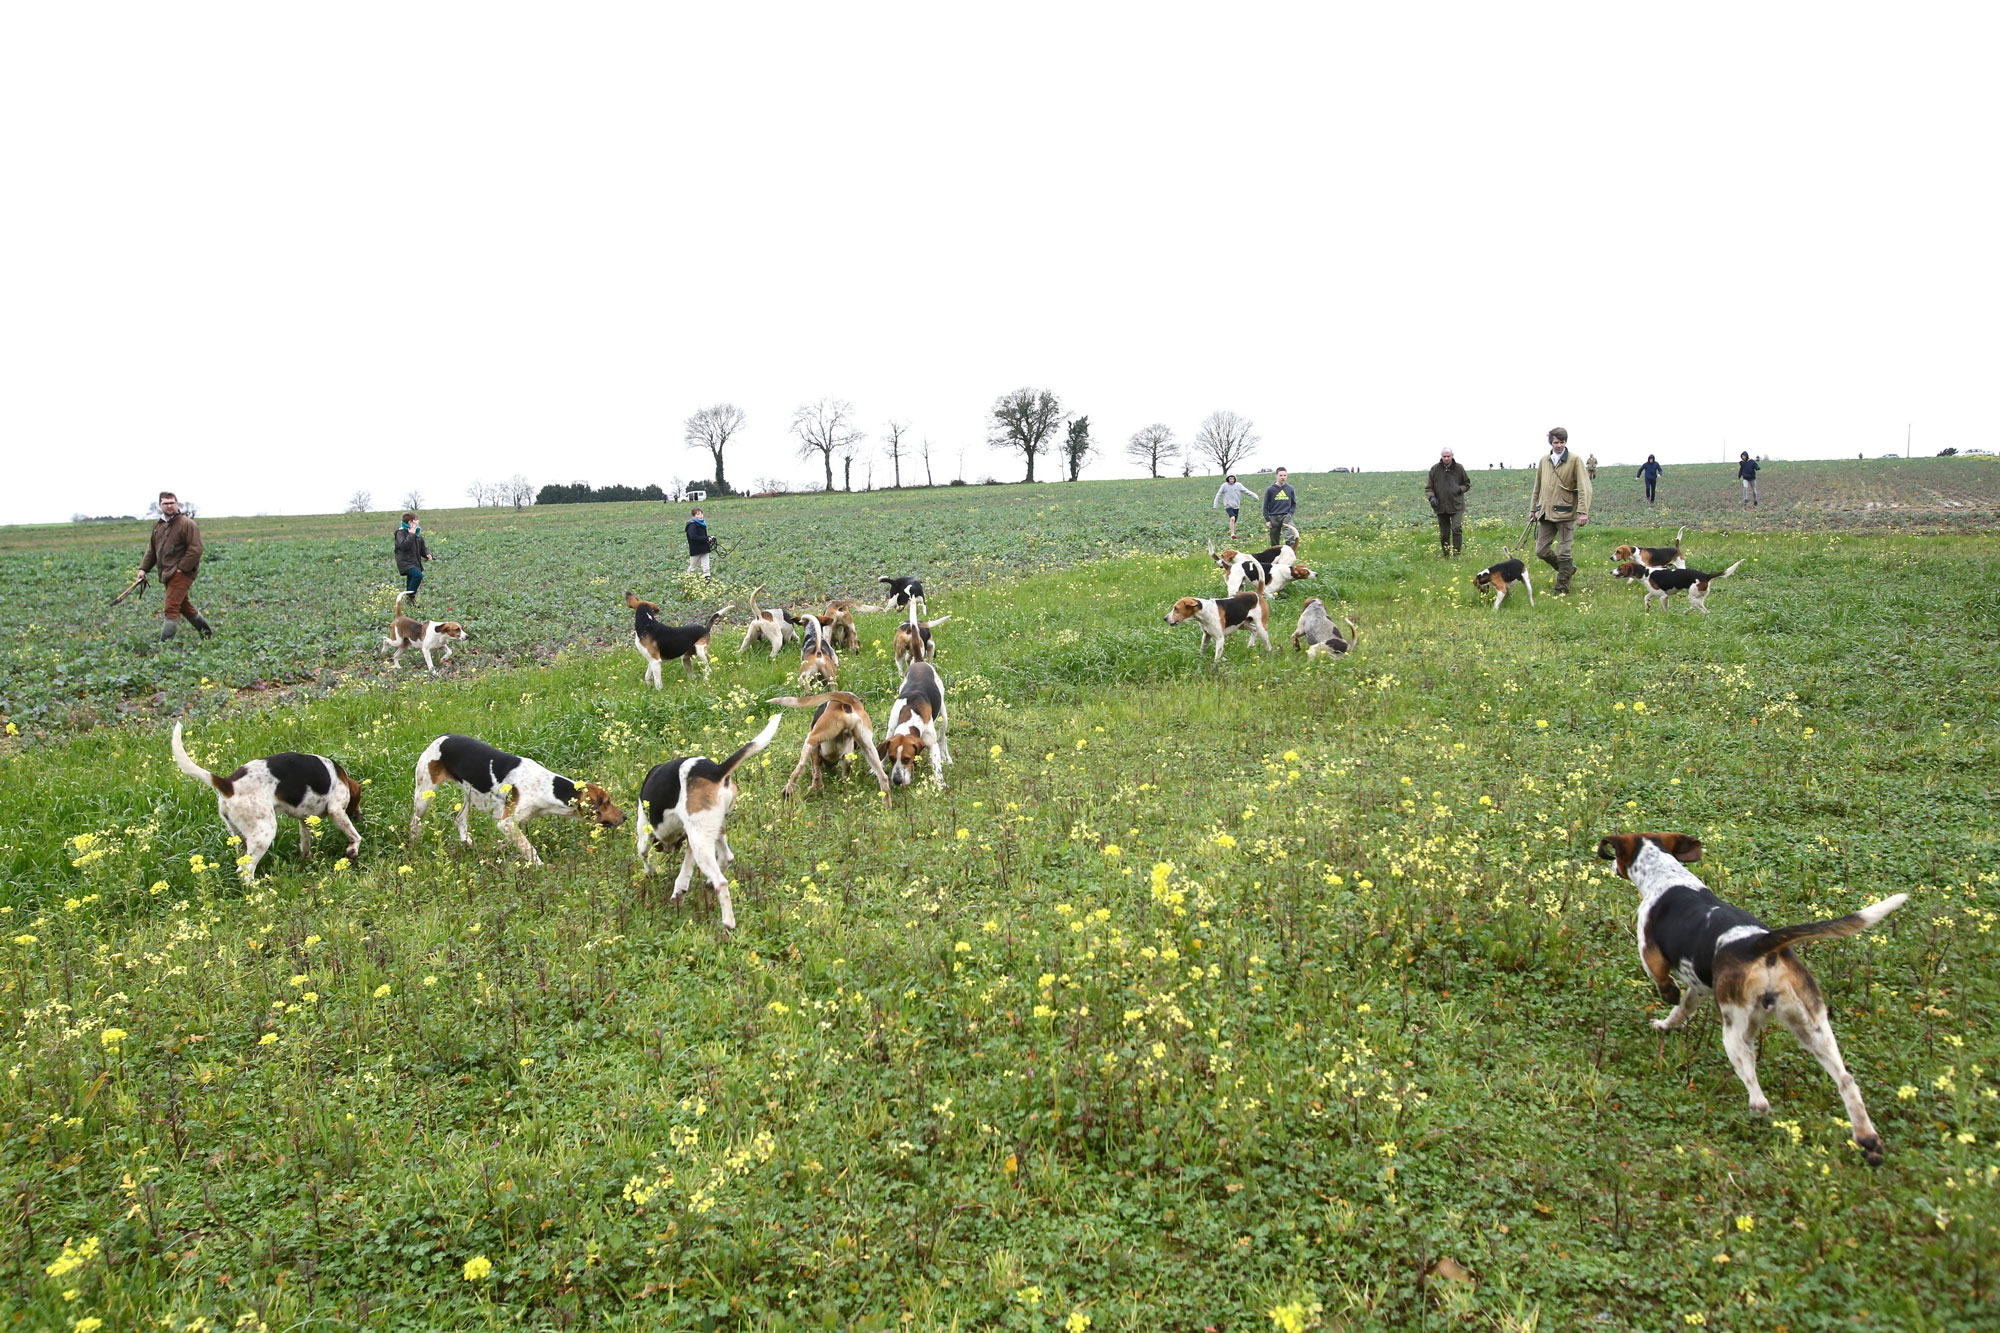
[1649,472]
[699,545]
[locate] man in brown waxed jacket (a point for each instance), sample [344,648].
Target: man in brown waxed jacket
[1445,489]
[1560,505]
[175,551]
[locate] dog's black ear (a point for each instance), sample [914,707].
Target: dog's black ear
[1607,849]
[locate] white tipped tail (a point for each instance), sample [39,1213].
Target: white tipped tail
[1731,570]
[756,743]
[186,764]
[1876,911]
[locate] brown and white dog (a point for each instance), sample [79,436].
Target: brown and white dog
[840,628]
[918,722]
[1321,635]
[688,800]
[1500,579]
[817,659]
[427,635]
[1219,617]
[659,642]
[771,626]
[297,786]
[1654,557]
[511,789]
[1664,583]
[1692,944]
[914,642]
[840,727]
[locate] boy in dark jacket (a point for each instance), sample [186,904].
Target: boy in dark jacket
[1280,503]
[1746,468]
[411,553]
[1649,472]
[699,545]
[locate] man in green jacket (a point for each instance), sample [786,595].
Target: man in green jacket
[1444,490]
[1560,505]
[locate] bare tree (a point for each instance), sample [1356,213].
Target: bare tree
[892,445]
[847,463]
[1225,439]
[517,490]
[413,499]
[929,480]
[1187,460]
[360,502]
[825,428]
[476,493]
[1150,445]
[1024,421]
[710,429]
[775,485]
[153,509]
[1077,446]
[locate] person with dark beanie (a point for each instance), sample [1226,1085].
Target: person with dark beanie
[411,553]
[1649,472]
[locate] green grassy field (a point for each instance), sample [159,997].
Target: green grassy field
[1281,994]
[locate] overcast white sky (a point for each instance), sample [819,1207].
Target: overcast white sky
[268,254]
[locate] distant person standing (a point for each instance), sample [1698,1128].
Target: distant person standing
[1444,489]
[699,545]
[1230,497]
[1746,469]
[1649,472]
[1280,503]
[1590,466]
[1560,504]
[411,553]
[175,551]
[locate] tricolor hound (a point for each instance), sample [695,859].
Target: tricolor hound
[771,626]
[1693,944]
[817,659]
[840,627]
[1272,569]
[914,642]
[1500,579]
[511,789]
[688,800]
[299,786]
[1664,583]
[659,643]
[1321,636]
[918,722]
[1222,616]
[840,727]
[1655,557]
[427,635]
[906,592]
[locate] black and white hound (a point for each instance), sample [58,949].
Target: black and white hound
[918,722]
[906,593]
[1219,617]
[426,635]
[688,800]
[1271,569]
[511,789]
[298,786]
[817,659]
[1500,580]
[1664,583]
[658,642]
[1692,944]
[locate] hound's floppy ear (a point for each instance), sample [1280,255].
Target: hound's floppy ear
[632,600]
[1619,847]
[1680,846]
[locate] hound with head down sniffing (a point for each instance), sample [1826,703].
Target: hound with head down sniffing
[772,626]
[511,789]
[1664,583]
[1693,945]
[427,636]
[298,786]
[1318,634]
[1246,613]
[1272,569]
[688,800]
[1500,580]
[840,727]
[817,659]
[913,640]
[918,723]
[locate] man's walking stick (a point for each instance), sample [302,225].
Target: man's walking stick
[130,588]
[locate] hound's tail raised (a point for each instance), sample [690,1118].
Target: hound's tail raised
[187,765]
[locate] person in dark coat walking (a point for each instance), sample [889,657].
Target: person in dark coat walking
[1746,469]
[411,553]
[175,550]
[1280,503]
[700,544]
[1649,472]
[1444,489]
